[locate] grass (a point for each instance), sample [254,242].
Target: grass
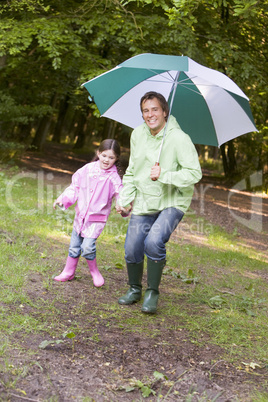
[218,284]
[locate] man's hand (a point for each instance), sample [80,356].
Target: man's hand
[123,211]
[155,172]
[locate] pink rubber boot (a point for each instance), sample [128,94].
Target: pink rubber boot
[95,273]
[69,270]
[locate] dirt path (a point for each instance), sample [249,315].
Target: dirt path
[106,356]
[236,211]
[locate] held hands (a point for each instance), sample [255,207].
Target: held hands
[123,211]
[155,172]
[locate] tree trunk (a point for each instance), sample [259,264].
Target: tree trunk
[43,127]
[111,130]
[24,132]
[80,131]
[231,158]
[229,161]
[224,160]
[41,133]
[61,116]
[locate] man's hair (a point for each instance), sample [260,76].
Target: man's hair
[161,99]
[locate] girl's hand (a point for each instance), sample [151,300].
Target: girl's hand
[118,208]
[123,211]
[60,204]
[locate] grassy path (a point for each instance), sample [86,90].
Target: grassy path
[71,341]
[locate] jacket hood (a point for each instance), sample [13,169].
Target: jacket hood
[172,123]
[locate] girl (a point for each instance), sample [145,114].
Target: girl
[93,187]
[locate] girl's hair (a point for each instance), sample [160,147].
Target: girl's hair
[106,145]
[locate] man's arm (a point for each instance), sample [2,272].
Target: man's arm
[128,192]
[190,170]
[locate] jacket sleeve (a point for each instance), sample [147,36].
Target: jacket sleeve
[117,185]
[189,171]
[70,194]
[128,192]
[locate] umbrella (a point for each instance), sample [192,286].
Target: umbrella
[207,104]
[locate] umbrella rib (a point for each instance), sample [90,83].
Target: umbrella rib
[190,89]
[172,77]
[160,80]
[196,85]
[156,73]
[183,82]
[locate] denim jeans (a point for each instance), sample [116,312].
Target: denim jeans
[86,247]
[148,234]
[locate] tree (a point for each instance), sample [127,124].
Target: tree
[231,36]
[50,48]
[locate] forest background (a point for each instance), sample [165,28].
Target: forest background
[49,48]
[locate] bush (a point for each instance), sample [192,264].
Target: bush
[10,150]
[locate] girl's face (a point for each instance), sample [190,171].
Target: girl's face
[107,158]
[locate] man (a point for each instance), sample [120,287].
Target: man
[160,195]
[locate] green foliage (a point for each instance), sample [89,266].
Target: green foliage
[145,386]
[190,277]
[46,343]
[10,150]
[48,51]
[12,112]
[67,334]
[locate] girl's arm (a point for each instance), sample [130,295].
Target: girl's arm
[117,187]
[70,194]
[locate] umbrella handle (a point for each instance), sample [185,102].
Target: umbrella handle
[156,164]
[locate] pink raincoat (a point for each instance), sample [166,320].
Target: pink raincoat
[93,188]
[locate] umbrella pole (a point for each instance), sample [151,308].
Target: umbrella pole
[175,83]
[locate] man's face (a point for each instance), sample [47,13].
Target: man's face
[153,114]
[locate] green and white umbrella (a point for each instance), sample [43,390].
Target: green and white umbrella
[207,104]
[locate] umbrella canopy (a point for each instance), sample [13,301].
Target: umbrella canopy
[207,104]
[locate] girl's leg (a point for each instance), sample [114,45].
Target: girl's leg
[68,271]
[72,259]
[89,252]
[75,245]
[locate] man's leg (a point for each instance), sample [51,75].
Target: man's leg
[160,232]
[138,229]
[155,249]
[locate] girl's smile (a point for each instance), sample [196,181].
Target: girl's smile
[106,158]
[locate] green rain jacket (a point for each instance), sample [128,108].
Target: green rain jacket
[180,170]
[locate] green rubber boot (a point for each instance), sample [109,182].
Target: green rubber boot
[133,295]
[154,274]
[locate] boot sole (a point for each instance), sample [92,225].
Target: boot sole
[128,303]
[64,280]
[148,311]
[98,284]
